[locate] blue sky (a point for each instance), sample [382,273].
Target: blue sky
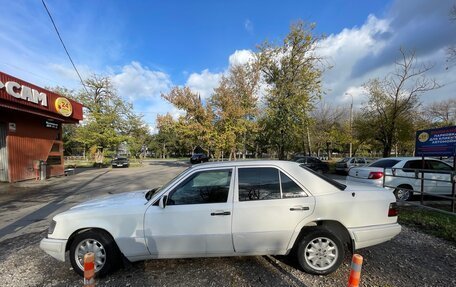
[149,46]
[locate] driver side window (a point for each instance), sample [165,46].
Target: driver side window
[202,187]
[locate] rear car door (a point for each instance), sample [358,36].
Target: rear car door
[268,206]
[409,169]
[443,185]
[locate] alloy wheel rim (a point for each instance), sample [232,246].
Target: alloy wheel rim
[402,194]
[321,253]
[90,245]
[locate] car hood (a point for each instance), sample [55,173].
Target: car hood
[120,200]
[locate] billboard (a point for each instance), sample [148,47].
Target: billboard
[436,142]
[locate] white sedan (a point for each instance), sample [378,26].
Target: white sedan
[400,176]
[228,209]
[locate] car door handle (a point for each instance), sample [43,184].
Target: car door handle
[222,213]
[299,208]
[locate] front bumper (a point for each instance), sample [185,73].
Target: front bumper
[372,235]
[54,247]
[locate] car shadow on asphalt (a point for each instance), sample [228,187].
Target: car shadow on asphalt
[169,163]
[46,210]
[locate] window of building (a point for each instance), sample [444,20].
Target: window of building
[54,160]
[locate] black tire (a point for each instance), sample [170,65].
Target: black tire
[334,252]
[403,192]
[106,250]
[319,171]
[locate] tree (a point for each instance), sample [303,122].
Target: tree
[441,114]
[167,133]
[293,73]
[235,107]
[106,122]
[330,127]
[393,101]
[196,125]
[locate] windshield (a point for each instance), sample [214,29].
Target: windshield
[156,190]
[345,159]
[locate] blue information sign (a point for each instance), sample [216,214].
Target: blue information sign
[436,142]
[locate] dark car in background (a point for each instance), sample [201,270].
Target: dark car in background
[120,162]
[313,163]
[199,158]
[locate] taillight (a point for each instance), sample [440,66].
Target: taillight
[375,175]
[392,211]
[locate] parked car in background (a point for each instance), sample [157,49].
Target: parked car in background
[344,165]
[401,177]
[313,163]
[228,209]
[199,158]
[120,162]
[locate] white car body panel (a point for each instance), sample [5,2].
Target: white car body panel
[142,229]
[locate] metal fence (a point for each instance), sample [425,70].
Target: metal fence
[420,175]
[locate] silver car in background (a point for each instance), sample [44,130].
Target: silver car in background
[400,176]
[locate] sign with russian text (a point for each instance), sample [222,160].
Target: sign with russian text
[436,142]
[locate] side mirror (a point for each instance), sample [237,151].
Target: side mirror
[163,200]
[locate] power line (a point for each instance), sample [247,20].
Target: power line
[64,47]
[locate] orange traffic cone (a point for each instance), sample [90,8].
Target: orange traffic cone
[89,270]
[355,273]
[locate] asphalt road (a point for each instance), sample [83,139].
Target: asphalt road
[411,259]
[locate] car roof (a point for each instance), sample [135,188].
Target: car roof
[308,179]
[408,158]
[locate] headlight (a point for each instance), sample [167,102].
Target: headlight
[52,227]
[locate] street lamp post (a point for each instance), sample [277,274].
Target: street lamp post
[351,116]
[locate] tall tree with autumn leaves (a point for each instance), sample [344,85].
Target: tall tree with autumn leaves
[292,72]
[235,107]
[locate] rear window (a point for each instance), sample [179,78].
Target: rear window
[327,179]
[384,163]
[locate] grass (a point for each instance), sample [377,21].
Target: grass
[431,222]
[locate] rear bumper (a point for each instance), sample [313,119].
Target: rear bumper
[372,235]
[54,247]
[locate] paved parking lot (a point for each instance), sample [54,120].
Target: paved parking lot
[411,259]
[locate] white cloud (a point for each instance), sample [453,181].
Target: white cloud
[248,25]
[369,51]
[136,82]
[240,57]
[203,83]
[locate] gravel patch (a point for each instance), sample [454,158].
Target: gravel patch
[410,259]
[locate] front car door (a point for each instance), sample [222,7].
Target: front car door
[268,206]
[197,218]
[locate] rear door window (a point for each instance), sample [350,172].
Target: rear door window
[437,165]
[385,163]
[290,189]
[259,183]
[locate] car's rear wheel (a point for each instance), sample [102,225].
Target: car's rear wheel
[320,252]
[107,257]
[403,192]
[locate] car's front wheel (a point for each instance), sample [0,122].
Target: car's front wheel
[320,252]
[107,256]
